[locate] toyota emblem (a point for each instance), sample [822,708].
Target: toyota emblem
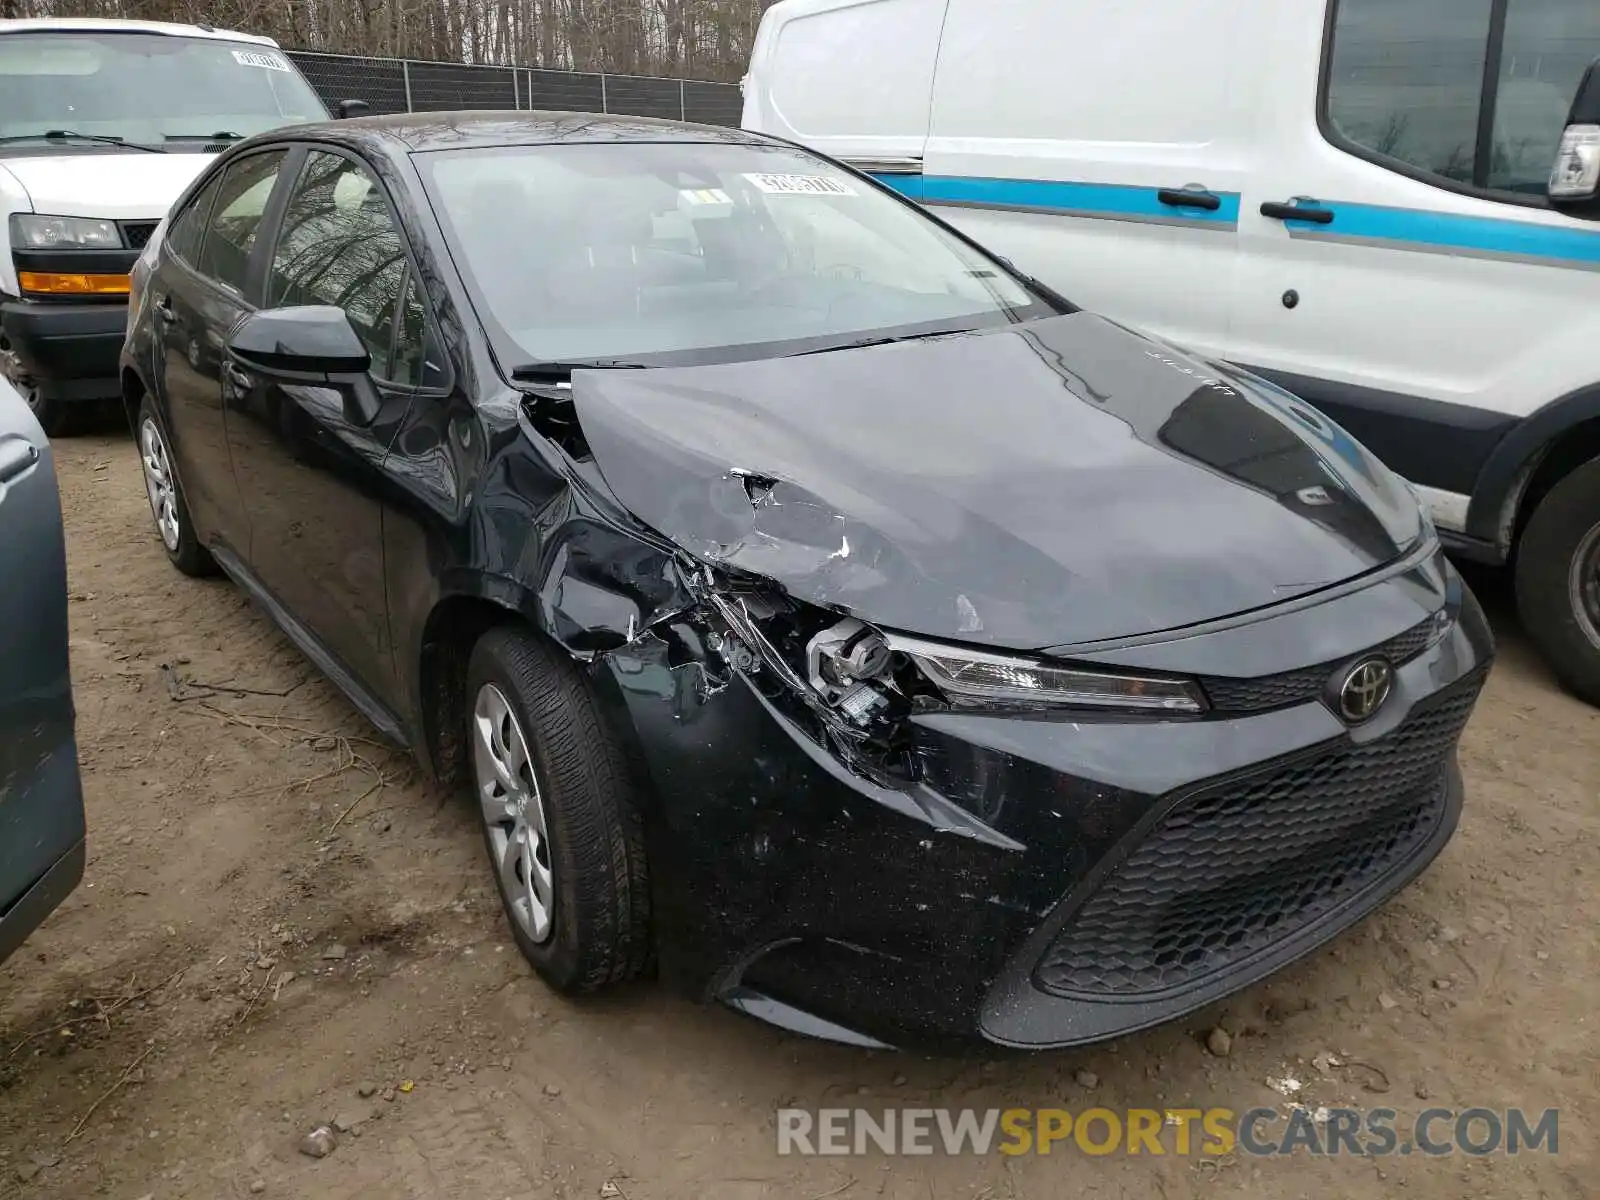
[1364,690]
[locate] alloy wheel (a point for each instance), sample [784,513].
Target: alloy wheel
[158,482]
[513,813]
[1583,585]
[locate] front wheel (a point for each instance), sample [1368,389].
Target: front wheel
[560,815]
[1558,580]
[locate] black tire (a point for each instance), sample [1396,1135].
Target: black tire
[186,553]
[55,418]
[1560,612]
[599,923]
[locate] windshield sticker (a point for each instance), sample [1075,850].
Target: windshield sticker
[801,185]
[700,196]
[257,58]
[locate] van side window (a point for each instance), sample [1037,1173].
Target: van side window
[1405,84]
[1548,46]
[1406,80]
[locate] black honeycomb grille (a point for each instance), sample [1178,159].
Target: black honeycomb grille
[137,233]
[1239,697]
[1227,875]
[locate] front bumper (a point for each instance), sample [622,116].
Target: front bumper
[1050,881]
[68,350]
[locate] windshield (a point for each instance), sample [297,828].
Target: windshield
[148,88]
[686,252]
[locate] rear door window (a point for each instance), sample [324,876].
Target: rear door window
[236,218]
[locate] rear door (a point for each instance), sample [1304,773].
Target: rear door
[1102,148]
[41,801]
[198,293]
[850,78]
[1435,299]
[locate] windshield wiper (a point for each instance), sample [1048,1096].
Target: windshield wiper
[63,135]
[222,135]
[882,340]
[559,371]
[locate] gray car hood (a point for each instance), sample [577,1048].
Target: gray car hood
[1058,482]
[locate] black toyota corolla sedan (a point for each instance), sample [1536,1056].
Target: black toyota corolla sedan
[817,608]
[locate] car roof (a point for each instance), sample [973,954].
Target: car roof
[498,127]
[106,25]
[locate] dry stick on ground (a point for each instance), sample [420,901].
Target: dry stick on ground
[251,1006]
[105,1014]
[378,785]
[110,1091]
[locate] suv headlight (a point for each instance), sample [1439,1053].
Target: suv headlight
[976,679]
[39,231]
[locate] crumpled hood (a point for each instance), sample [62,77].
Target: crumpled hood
[117,184]
[1059,482]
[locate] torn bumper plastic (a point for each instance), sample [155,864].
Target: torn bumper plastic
[1043,880]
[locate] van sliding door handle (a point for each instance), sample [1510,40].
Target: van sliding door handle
[1190,197]
[1309,211]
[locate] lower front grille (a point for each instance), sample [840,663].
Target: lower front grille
[1228,874]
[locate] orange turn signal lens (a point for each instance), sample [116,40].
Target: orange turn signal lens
[56,283]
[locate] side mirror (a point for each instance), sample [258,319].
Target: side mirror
[313,345]
[347,109]
[1575,182]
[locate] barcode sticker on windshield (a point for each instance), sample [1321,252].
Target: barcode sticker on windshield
[256,58]
[801,185]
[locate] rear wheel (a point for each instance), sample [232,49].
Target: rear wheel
[1558,579]
[167,505]
[561,819]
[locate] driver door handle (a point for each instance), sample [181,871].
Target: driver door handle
[1308,210]
[1190,197]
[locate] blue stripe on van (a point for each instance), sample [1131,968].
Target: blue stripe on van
[1399,228]
[1413,229]
[1108,200]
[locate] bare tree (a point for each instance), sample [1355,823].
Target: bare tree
[696,39]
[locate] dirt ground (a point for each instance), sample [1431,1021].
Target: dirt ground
[278,916]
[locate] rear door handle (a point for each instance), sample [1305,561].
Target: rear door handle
[17,454]
[1190,197]
[1298,210]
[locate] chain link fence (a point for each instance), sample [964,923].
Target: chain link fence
[397,85]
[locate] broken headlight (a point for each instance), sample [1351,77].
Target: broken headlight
[976,679]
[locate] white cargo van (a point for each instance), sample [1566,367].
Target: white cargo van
[102,126]
[1348,197]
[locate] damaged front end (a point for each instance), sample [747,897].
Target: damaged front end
[853,687]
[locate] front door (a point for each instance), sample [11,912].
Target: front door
[1406,274]
[308,469]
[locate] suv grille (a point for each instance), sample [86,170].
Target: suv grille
[137,233]
[1239,697]
[1229,874]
